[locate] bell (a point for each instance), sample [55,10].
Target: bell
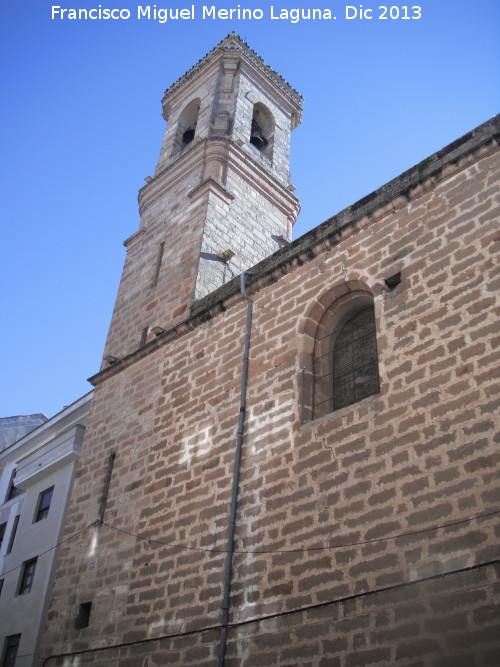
[188,135]
[256,136]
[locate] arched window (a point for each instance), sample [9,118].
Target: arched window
[262,129]
[342,367]
[186,125]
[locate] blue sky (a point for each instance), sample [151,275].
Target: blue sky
[81,127]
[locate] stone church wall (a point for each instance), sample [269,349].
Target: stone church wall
[366,536]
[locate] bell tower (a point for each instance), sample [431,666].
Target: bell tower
[220,200]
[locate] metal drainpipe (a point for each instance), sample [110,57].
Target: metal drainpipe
[231,529]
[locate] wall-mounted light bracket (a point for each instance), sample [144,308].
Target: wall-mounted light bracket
[110,359]
[280,240]
[227,255]
[157,331]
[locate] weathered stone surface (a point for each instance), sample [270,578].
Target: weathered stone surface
[371,511]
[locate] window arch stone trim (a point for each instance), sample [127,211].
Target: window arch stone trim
[324,319]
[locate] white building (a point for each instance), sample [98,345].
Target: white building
[36,479]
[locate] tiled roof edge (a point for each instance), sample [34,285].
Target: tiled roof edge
[254,56]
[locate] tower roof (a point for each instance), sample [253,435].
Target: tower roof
[234,42]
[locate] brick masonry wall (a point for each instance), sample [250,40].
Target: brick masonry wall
[453,621]
[147,297]
[383,494]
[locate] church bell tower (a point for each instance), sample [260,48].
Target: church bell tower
[220,199]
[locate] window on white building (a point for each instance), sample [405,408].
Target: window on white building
[27,574]
[3,526]
[13,490]
[44,500]
[13,534]
[10,648]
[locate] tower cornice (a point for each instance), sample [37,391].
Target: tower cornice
[233,44]
[212,152]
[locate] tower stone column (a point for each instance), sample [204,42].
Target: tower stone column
[220,199]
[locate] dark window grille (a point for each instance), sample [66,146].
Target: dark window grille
[354,362]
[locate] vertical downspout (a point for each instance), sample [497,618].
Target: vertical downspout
[231,529]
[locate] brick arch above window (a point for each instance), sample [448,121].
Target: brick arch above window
[339,358]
